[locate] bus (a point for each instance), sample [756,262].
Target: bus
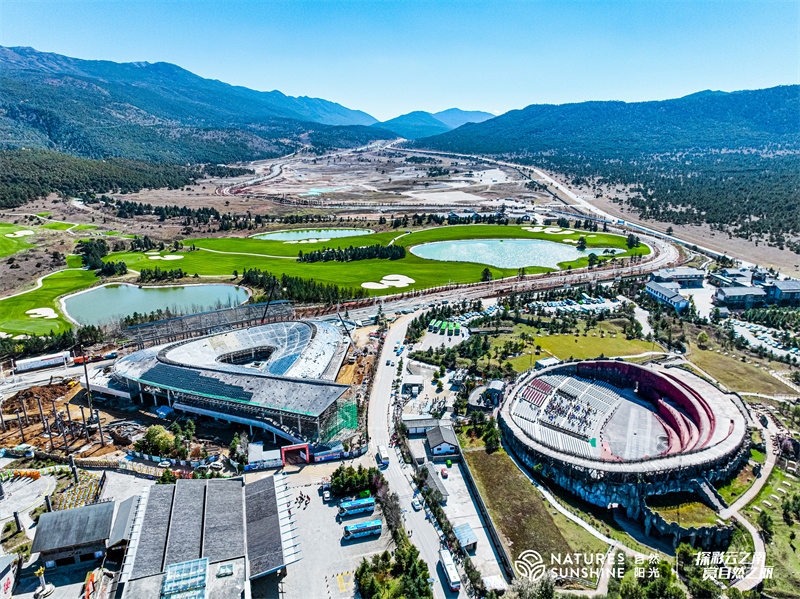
[443,328]
[450,328]
[347,508]
[373,527]
[383,456]
[458,330]
[433,326]
[450,572]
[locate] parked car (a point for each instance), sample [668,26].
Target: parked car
[165,464]
[444,472]
[217,466]
[326,496]
[416,505]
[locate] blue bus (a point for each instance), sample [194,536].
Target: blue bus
[353,531]
[357,506]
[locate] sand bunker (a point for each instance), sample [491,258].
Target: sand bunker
[46,313]
[167,257]
[24,233]
[312,240]
[548,230]
[389,281]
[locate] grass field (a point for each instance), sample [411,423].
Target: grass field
[734,488]
[684,508]
[11,245]
[13,319]
[782,552]
[524,519]
[58,226]
[569,346]
[737,375]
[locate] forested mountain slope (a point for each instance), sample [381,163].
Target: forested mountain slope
[159,112]
[731,160]
[414,125]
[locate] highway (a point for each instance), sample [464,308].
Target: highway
[422,532]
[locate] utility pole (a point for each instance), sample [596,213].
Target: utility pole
[86,372]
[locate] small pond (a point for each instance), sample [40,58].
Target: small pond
[317,234]
[109,303]
[503,253]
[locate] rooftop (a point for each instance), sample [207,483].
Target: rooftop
[77,526]
[441,434]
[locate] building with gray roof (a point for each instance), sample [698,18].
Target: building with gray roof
[682,275]
[220,533]
[71,536]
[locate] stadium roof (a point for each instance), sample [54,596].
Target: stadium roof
[193,367]
[77,526]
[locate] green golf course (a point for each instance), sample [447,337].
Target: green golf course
[224,256]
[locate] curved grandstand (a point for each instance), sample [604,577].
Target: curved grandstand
[622,422]
[278,377]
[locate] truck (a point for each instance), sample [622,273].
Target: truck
[62,358]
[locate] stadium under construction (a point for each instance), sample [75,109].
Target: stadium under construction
[253,365]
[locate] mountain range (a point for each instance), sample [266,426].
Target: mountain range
[701,121]
[424,124]
[160,112]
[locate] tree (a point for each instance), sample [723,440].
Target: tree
[764,521]
[593,259]
[486,275]
[702,339]
[168,477]
[632,241]
[525,588]
[669,230]
[582,243]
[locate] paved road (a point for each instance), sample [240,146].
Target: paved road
[423,535]
[756,574]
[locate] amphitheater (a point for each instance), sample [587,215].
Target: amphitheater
[614,432]
[279,377]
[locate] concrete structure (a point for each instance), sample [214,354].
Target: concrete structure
[73,536]
[442,441]
[546,363]
[667,293]
[278,377]
[413,384]
[682,275]
[740,298]
[698,434]
[418,450]
[495,390]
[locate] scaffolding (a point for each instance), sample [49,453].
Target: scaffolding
[341,422]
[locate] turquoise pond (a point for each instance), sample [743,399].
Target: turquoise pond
[315,192]
[303,234]
[503,253]
[107,304]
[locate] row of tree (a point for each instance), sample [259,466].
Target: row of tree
[351,254]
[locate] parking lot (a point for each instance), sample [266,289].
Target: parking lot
[327,562]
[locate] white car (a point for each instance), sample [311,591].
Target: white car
[165,464]
[217,466]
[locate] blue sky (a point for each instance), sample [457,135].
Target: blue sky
[388,57]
